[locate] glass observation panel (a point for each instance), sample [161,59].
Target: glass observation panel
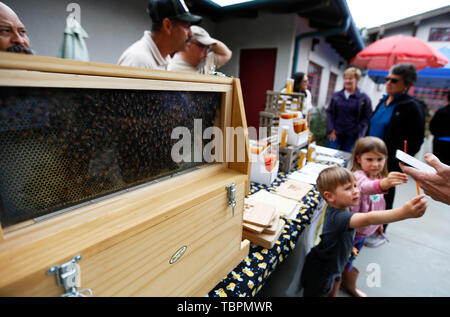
[61,147]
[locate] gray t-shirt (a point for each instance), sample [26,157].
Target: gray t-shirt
[335,247]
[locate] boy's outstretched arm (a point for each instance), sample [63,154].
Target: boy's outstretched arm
[414,208]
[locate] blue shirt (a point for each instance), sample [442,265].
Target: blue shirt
[382,117]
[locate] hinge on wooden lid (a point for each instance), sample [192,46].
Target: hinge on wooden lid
[68,276]
[232,196]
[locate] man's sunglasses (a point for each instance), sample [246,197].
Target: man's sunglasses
[201,46]
[393,80]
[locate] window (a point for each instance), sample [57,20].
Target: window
[331,87]
[314,76]
[439,34]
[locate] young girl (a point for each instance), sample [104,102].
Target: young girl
[369,165]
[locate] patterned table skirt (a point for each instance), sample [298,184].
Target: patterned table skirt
[249,276]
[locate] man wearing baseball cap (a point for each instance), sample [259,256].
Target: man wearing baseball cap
[203,54]
[171,21]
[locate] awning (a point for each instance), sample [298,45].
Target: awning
[322,15]
[427,77]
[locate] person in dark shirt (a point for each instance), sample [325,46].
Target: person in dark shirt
[397,118]
[325,262]
[348,113]
[440,128]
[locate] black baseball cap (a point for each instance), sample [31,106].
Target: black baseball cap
[172,9]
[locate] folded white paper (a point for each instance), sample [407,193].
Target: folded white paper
[302,177]
[330,159]
[408,159]
[326,150]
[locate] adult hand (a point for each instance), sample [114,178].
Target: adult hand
[436,185]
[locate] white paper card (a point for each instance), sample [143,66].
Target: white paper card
[302,177]
[336,160]
[408,159]
[313,168]
[326,150]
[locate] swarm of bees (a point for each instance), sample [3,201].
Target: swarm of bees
[61,147]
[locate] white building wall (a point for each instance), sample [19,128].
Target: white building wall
[423,30]
[266,31]
[279,31]
[323,55]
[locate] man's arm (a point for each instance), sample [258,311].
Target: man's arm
[223,53]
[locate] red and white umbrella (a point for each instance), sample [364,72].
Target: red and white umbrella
[396,49]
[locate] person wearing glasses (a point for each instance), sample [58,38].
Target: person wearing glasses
[348,113]
[301,85]
[203,54]
[13,35]
[397,118]
[171,22]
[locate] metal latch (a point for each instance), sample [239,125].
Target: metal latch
[68,276]
[232,196]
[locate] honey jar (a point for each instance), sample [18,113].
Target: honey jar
[311,155]
[302,158]
[284,136]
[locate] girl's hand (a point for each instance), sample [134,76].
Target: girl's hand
[393,179]
[414,208]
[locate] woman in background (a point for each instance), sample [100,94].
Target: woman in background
[397,118]
[348,113]
[301,85]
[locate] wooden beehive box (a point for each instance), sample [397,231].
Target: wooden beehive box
[83,173]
